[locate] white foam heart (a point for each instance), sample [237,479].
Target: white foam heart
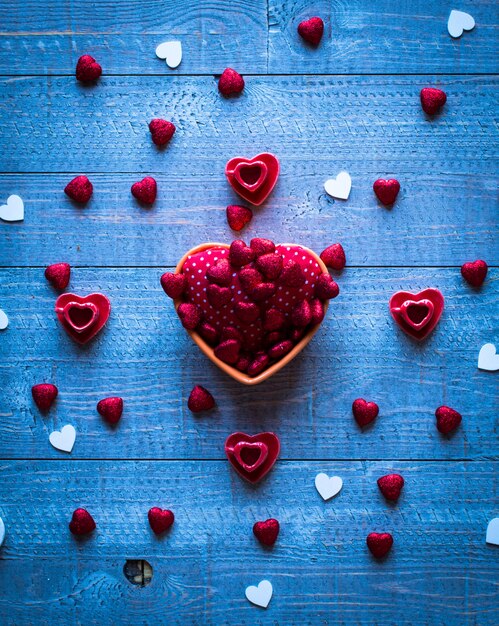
[340,186]
[458,22]
[171,51]
[328,487]
[260,595]
[488,359]
[64,439]
[2,531]
[13,211]
[493,532]
[4,320]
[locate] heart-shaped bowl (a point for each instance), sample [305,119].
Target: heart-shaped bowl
[208,350]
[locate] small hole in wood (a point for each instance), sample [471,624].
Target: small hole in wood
[138,572]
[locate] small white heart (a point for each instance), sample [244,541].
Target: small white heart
[13,211]
[260,595]
[488,359]
[339,187]
[171,51]
[458,22]
[493,532]
[4,320]
[328,487]
[64,439]
[2,531]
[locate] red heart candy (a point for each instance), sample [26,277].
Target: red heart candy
[44,395]
[87,69]
[173,285]
[79,189]
[364,412]
[379,544]
[266,532]
[334,256]
[417,314]
[200,399]
[474,273]
[190,315]
[145,190]
[252,456]
[252,307]
[161,131]
[391,486]
[160,520]
[82,317]
[58,275]
[230,82]
[270,265]
[238,216]
[81,523]
[253,179]
[311,30]
[386,190]
[432,99]
[447,419]
[110,409]
[326,288]
[262,246]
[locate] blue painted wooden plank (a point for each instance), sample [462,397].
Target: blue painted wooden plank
[360,38]
[48,38]
[440,570]
[145,356]
[384,37]
[440,218]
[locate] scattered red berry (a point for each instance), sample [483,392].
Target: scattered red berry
[474,273]
[81,523]
[44,395]
[364,412]
[391,486]
[160,520]
[173,284]
[379,544]
[80,189]
[58,275]
[161,131]
[110,409]
[311,30]
[200,399]
[266,532]
[386,190]
[447,419]
[87,69]
[145,190]
[334,256]
[432,100]
[230,83]
[238,216]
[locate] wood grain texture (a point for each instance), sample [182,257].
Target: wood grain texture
[49,37]
[445,213]
[382,37]
[145,356]
[438,572]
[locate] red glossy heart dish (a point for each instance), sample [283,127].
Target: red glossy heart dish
[253,179]
[82,317]
[251,309]
[417,314]
[252,456]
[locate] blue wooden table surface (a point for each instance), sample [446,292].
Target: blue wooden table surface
[351,104]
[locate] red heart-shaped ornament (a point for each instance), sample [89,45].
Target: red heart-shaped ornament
[417,314]
[379,544]
[252,456]
[253,179]
[386,190]
[266,532]
[82,317]
[252,309]
[160,520]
